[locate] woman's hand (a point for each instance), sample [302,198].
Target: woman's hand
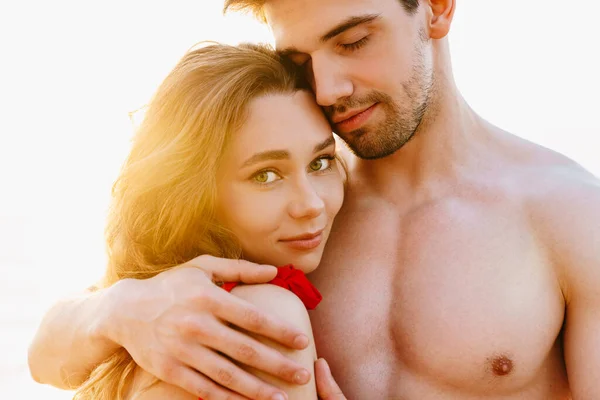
[176,326]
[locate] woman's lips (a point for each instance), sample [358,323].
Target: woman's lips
[305,242]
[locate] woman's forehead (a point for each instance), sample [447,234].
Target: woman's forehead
[280,121]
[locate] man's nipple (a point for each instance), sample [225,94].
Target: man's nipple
[501,365]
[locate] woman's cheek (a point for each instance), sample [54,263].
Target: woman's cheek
[258,211]
[332,193]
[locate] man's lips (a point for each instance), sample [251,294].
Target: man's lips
[337,118]
[354,119]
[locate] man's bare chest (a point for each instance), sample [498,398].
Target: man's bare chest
[464,296]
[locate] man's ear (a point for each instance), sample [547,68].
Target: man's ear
[440,14]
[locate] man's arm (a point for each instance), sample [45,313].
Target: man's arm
[67,344]
[582,295]
[572,227]
[271,298]
[179,314]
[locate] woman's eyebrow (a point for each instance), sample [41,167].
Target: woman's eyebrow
[265,156]
[283,154]
[324,144]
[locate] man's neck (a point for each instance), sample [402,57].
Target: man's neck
[450,142]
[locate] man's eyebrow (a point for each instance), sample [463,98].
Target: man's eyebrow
[265,156]
[324,144]
[349,23]
[343,26]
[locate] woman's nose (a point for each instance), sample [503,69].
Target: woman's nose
[307,203]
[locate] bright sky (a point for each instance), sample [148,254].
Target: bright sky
[72,70]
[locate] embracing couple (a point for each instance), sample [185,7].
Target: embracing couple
[441,257]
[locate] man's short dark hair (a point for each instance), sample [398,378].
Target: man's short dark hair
[256,7]
[410,5]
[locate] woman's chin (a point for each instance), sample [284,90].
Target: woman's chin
[307,263]
[307,269]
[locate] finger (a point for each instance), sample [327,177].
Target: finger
[327,388]
[248,351]
[199,385]
[246,316]
[225,373]
[229,270]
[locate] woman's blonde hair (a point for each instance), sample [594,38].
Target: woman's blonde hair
[163,206]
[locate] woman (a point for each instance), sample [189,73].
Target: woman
[233,159]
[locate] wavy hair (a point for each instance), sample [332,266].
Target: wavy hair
[163,202]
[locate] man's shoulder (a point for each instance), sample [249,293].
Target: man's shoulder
[561,201]
[543,175]
[560,184]
[552,186]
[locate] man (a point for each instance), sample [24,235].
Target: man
[464,263]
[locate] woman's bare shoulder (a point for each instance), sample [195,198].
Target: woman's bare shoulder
[275,300]
[285,305]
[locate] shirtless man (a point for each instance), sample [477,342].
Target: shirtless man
[465,263]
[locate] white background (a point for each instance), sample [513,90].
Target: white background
[70,71]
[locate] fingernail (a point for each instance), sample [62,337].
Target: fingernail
[278,396]
[301,377]
[326,366]
[301,341]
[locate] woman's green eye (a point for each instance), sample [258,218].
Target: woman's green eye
[265,177]
[320,164]
[316,165]
[261,177]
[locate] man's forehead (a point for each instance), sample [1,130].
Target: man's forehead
[299,23]
[288,21]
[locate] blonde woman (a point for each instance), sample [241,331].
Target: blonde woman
[233,159]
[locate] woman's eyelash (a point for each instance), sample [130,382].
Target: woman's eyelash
[330,158]
[356,45]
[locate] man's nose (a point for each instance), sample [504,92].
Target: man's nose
[330,82]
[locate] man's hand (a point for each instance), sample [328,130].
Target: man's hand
[327,388]
[176,326]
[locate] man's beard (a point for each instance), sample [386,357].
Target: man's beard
[399,124]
